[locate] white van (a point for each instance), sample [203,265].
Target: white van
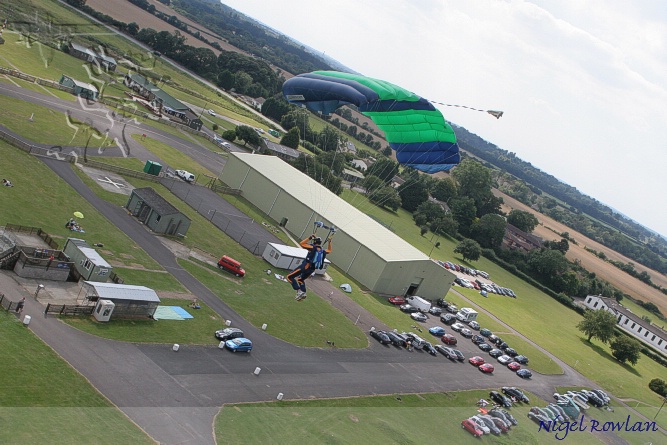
[185,175]
[418,302]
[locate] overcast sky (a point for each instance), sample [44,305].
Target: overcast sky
[583,83]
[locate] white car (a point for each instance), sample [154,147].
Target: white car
[185,175]
[466,283]
[474,325]
[226,144]
[457,327]
[211,112]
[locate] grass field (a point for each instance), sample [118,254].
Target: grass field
[172,157]
[44,400]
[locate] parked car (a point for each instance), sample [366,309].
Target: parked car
[515,392]
[239,344]
[395,338]
[231,265]
[226,144]
[471,427]
[428,347]
[452,309]
[522,359]
[442,303]
[485,332]
[448,319]
[480,424]
[449,339]
[435,310]
[488,420]
[504,359]
[474,325]
[408,309]
[447,352]
[228,334]
[477,339]
[476,360]
[397,300]
[486,368]
[524,373]
[511,352]
[537,418]
[380,336]
[211,112]
[438,331]
[457,327]
[459,355]
[495,353]
[485,347]
[500,399]
[465,332]
[514,366]
[503,346]
[185,175]
[492,338]
[418,316]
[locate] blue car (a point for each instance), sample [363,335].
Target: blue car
[239,344]
[438,331]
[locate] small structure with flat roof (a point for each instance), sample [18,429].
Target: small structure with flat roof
[88,263]
[82,89]
[156,212]
[129,300]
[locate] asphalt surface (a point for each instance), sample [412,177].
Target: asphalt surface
[174,396]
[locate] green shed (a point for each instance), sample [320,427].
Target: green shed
[152,168]
[156,212]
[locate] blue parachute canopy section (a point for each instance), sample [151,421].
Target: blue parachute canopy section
[414,128]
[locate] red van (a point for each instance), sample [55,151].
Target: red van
[231,265]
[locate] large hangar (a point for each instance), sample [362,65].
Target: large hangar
[363,248]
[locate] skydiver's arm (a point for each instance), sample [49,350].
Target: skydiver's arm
[306,242]
[328,251]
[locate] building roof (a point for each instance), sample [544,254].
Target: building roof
[295,252]
[107,59]
[112,291]
[272,146]
[620,309]
[94,257]
[82,49]
[355,173]
[156,202]
[335,210]
[84,85]
[166,98]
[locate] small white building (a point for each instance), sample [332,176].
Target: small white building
[631,322]
[288,257]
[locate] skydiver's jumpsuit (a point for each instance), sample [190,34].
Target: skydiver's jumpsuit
[314,260]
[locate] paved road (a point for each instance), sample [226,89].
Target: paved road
[174,396]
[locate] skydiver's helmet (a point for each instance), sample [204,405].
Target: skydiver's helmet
[317,241]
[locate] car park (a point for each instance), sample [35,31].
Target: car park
[457,327]
[459,355]
[239,344]
[228,334]
[397,300]
[485,347]
[505,359]
[448,319]
[514,366]
[476,360]
[438,331]
[408,309]
[380,336]
[395,338]
[500,399]
[418,316]
[471,427]
[467,333]
[524,373]
[474,325]
[486,368]
[449,339]
[522,359]
[495,353]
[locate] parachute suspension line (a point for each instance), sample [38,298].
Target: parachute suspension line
[331,230]
[495,113]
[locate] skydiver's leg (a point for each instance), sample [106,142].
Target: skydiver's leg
[293,278]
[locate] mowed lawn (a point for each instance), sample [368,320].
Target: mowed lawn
[44,400]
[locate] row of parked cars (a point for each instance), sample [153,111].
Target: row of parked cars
[568,406]
[463,269]
[234,339]
[491,288]
[496,421]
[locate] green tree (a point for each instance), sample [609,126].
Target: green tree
[658,386]
[332,159]
[386,197]
[247,134]
[469,249]
[444,189]
[598,324]
[275,107]
[522,220]
[430,210]
[328,139]
[489,231]
[291,138]
[229,135]
[412,194]
[384,169]
[625,349]
[475,181]
[464,213]
[372,183]
[547,263]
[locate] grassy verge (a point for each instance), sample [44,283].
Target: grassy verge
[44,400]
[263,299]
[158,281]
[173,157]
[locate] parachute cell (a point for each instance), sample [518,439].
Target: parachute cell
[411,124]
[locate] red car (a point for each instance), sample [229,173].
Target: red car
[487,368]
[514,366]
[476,361]
[448,339]
[397,300]
[472,428]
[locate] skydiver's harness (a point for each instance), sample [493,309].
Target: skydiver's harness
[315,256]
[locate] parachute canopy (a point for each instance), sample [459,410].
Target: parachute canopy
[411,124]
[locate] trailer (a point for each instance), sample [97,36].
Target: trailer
[418,302]
[466,315]
[288,257]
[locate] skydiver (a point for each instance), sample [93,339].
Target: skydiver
[314,260]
